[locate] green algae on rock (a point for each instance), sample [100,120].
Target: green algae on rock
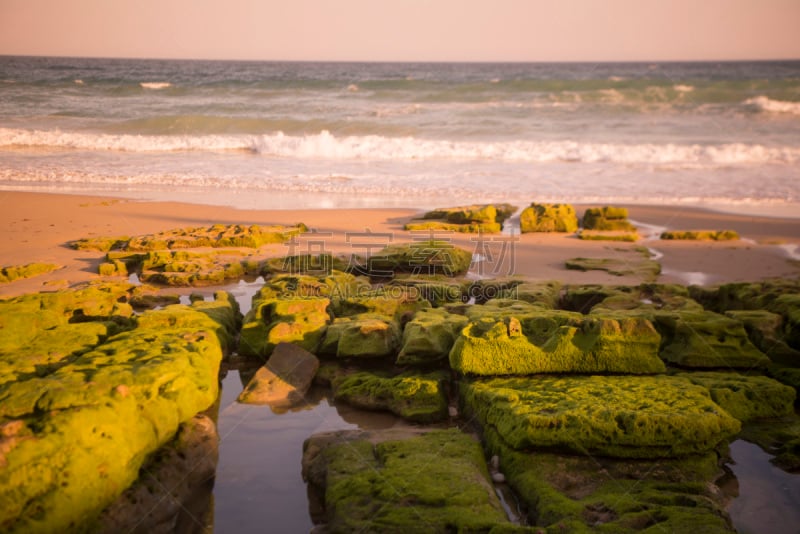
[365,335]
[706,340]
[16,272]
[548,218]
[700,235]
[420,257]
[76,435]
[746,397]
[429,337]
[645,268]
[767,332]
[590,493]
[627,236]
[435,289]
[100,244]
[484,218]
[617,416]
[401,482]
[556,342]
[218,235]
[607,218]
[421,398]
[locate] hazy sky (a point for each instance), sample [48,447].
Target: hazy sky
[405,30]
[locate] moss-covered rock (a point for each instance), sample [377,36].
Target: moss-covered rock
[390,482]
[420,257]
[555,342]
[429,336]
[15,272]
[607,218]
[365,335]
[645,300]
[397,302]
[190,268]
[548,218]
[706,340]
[101,244]
[302,321]
[218,235]
[746,397]
[767,332]
[626,417]
[545,294]
[112,268]
[580,493]
[420,398]
[436,290]
[778,437]
[645,268]
[75,435]
[627,236]
[700,235]
[483,218]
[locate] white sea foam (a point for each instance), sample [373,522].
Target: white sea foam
[324,145]
[763,103]
[78,82]
[155,85]
[683,88]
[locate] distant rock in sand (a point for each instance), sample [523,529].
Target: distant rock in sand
[284,379]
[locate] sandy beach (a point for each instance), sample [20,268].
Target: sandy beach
[37,227]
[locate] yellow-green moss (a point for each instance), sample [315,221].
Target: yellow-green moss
[700,235]
[436,482]
[429,336]
[420,257]
[628,236]
[548,218]
[746,397]
[420,398]
[607,218]
[75,435]
[364,335]
[15,272]
[626,417]
[556,342]
[577,494]
[706,340]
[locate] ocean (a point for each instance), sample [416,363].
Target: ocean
[294,135]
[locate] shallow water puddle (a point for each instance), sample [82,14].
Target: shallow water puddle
[769,498]
[259,487]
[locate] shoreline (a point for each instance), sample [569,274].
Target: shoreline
[38,226]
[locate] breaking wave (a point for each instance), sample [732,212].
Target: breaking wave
[762,103]
[324,145]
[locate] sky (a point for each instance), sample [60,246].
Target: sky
[404,30]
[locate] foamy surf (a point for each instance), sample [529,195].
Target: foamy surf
[155,85]
[763,103]
[324,145]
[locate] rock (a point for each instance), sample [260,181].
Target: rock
[548,218]
[452,411]
[607,218]
[284,379]
[646,268]
[175,487]
[415,397]
[584,493]
[747,398]
[420,257]
[767,332]
[101,244]
[302,321]
[190,268]
[545,294]
[15,272]
[485,218]
[392,482]
[498,478]
[437,292]
[627,236]
[218,235]
[556,342]
[700,235]
[644,417]
[429,337]
[76,433]
[396,302]
[706,340]
[365,335]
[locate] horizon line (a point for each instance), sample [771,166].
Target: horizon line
[409,61]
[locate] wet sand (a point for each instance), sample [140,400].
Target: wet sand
[37,227]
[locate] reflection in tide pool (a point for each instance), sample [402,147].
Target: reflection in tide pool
[769,498]
[259,487]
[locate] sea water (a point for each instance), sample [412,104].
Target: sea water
[282,134]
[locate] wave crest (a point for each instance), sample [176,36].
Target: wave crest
[763,103]
[324,145]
